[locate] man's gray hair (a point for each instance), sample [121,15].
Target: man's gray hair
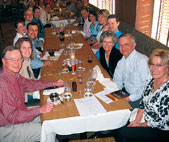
[132,37]
[8,48]
[108,34]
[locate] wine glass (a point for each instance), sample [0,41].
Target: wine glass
[80,79]
[80,65]
[62,38]
[92,77]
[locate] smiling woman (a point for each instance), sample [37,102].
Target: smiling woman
[25,46]
[108,55]
[153,125]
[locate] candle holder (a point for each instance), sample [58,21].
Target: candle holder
[73,61]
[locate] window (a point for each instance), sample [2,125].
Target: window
[160,28]
[104,4]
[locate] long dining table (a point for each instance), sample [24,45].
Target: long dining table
[65,119]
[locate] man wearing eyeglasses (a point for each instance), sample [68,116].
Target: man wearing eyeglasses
[18,123]
[132,70]
[28,16]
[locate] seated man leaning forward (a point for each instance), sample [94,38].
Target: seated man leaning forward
[132,70]
[18,123]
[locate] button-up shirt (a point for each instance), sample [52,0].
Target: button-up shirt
[86,27]
[17,37]
[132,73]
[12,89]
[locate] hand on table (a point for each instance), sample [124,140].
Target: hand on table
[46,108]
[127,99]
[59,83]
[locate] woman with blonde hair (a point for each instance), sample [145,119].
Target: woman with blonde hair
[102,18]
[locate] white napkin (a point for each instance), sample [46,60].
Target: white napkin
[78,46]
[55,18]
[56,53]
[36,95]
[109,84]
[58,90]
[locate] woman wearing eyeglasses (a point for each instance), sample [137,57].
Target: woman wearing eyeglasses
[107,54]
[152,119]
[25,46]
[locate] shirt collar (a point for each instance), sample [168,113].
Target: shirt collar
[9,76]
[131,55]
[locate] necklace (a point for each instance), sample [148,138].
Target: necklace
[158,85]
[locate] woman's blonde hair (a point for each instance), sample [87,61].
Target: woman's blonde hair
[163,54]
[103,12]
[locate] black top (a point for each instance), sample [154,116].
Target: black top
[115,56]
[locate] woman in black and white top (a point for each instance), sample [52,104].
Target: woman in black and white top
[154,106]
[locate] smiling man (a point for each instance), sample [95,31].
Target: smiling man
[36,63]
[132,70]
[113,25]
[18,123]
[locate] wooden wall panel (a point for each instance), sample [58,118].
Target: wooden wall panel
[126,10]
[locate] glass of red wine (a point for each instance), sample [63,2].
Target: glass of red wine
[62,38]
[89,58]
[80,79]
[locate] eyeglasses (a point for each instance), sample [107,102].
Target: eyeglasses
[14,60]
[33,30]
[29,14]
[156,65]
[109,42]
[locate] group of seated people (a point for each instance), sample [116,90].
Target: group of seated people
[145,79]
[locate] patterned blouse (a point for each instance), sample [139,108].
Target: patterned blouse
[156,105]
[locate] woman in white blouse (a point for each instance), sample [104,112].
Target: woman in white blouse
[152,119]
[20,29]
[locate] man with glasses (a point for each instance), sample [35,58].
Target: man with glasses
[28,16]
[18,123]
[132,70]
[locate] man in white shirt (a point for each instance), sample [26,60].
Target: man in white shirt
[86,25]
[132,70]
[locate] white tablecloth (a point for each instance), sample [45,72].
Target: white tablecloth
[105,121]
[65,22]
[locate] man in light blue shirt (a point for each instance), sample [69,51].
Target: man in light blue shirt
[132,70]
[113,24]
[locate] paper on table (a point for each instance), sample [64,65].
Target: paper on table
[102,95]
[89,106]
[56,53]
[58,90]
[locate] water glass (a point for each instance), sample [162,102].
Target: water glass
[92,77]
[67,87]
